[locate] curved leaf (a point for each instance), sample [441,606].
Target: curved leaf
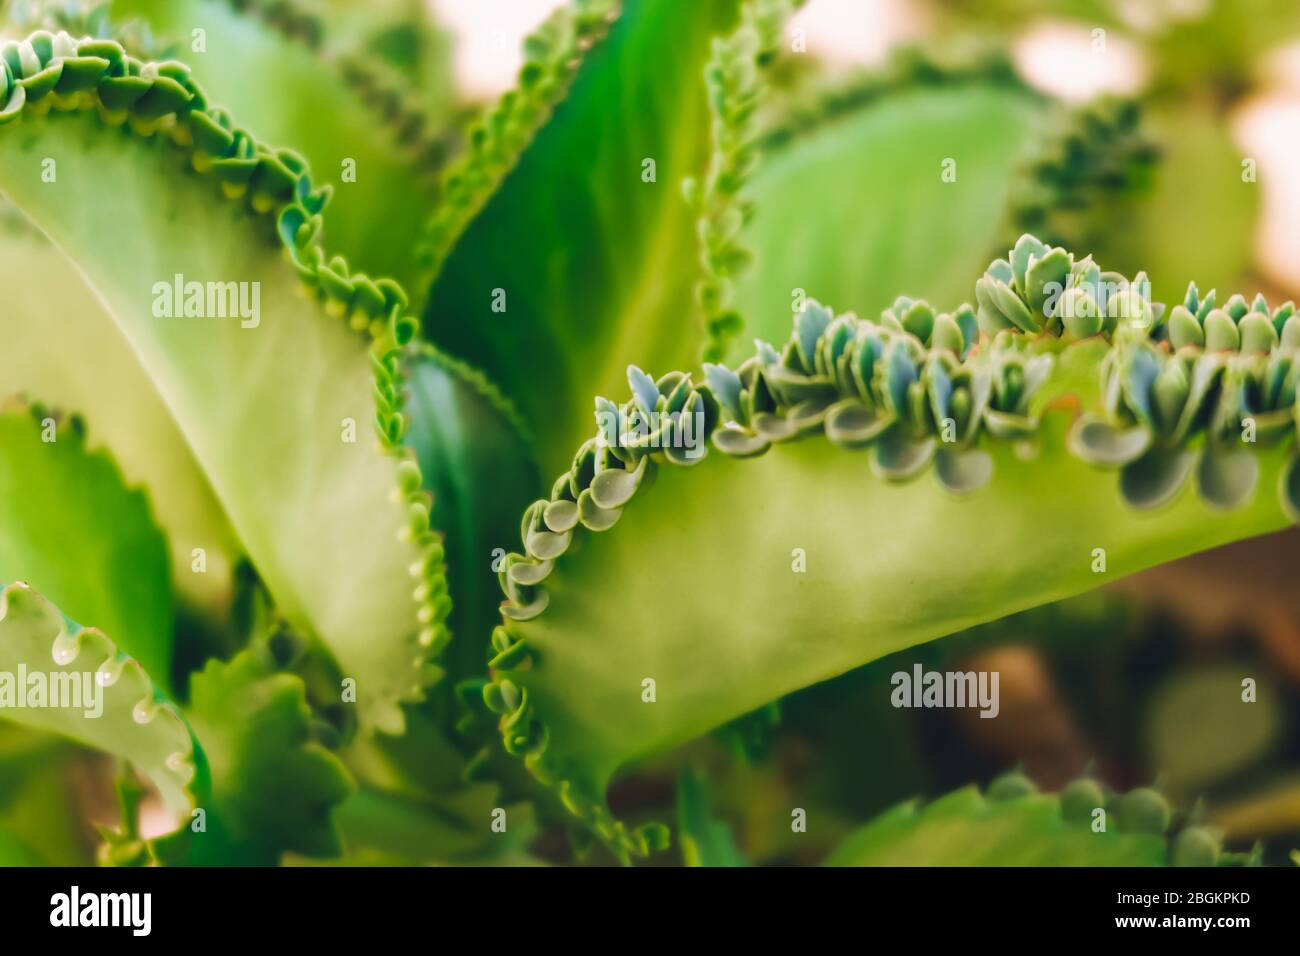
[269,399]
[126,716]
[47,307]
[908,228]
[305,86]
[970,828]
[880,565]
[558,326]
[70,526]
[477,466]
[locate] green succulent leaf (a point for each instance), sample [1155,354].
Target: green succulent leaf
[552,53]
[1154,479]
[1169,236]
[302,82]
[647,683]
[274,787]
[1227,477]
[48,306]
[922,233]
[620,259]
[123,714]
[1017,826]
[69,525]
[1100,442]
[474,457]
[336,548]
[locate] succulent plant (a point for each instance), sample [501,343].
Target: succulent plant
[272,417]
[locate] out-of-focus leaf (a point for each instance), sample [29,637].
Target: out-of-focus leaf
[1200,730]
[105,699]
[1197,224]
[704,840]
[48,308]
[70,526]
[967,828]
[274,787]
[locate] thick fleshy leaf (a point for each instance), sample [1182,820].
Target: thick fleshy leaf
[968,828]
[898,456]
[614,487]
[615,283]
[275,404]
[923,574]
[121,712]
[70,526]
[736,441]
[479,469]
[852,424]
[924,235]
[344,110]
[46,307]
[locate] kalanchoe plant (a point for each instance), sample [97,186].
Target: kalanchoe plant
[292,515]
[900,390]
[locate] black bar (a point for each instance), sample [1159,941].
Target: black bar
[333,905]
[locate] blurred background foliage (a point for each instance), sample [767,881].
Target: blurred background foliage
[1140,682]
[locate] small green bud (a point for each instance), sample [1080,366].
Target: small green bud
[1080,798]
[1011,785]
[947,335]
[1143,811]
[1195,846]
[1221,332]
[1171,389]
[1291,332]
[1079,313]
[1184,330]
[1257,333]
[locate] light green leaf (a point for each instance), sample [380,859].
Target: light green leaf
[70,526]
[905,230]
[335,105]
[1176,240]
[968,828]
[266,402]
[121,714]
[889,561]
[47,307]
